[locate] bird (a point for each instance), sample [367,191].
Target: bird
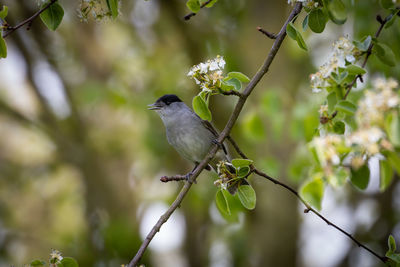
[191,136]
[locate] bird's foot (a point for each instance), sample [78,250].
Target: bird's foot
[215,142]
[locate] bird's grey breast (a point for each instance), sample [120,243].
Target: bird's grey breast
[188,136]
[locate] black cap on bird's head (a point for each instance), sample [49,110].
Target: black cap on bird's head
[165,100]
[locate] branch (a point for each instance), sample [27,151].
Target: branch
[192,14]
[224,134]
[268,34]
[309,208]
[324,120]
[28,21]
[232,92]
[166,179]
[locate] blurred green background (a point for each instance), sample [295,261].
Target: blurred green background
[81,156]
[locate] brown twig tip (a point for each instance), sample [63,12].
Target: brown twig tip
[307,210]
[268,34]
[379,19]
[166,179]
[188,16]
[324,119]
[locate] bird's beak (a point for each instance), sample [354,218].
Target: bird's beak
[154,106]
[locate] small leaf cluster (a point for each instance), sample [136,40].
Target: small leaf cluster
[56,260]
[209,76]
[394,258]
[319,12]
[195,5]
[234,190]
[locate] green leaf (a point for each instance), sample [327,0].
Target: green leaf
[385,54]
[354,69]
[222,202]
[337,11]
[247,196]
[386,174]
[360,177]
[3,48]
[225,86]
[392,19]
[395,257]
[305,23]
[193,5]
[293,33]
[364,44]
[317,20]
[339,127]
[113,7]
[237,85]
[37,263]
[238,75]
[339,78]
[392,127]
[394,160]
[391,244]
[241,162]
[201,108]
[242,172]
[313,191]
[69,262]
[332,100]
[52,16]
[386,3]
[4,12]
[346,107]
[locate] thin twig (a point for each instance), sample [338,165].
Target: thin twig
[28,21]
[192,14]
[309,208]
[368,54]
[166,179]
[268,34]
[228,127]
[232,92]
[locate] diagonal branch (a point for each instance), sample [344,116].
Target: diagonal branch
[11,29]
[309,208]
[224,134]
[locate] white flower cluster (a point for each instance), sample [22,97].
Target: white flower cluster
[208,74]
[55,257]
[377,102]
[326,148]
[343,51]
[224,174]
[370,138]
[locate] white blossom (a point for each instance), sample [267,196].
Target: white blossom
[343,51]
[377,102]
[208,74]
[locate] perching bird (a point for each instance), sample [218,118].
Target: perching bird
[191,136]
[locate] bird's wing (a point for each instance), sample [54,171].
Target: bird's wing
[211,128]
